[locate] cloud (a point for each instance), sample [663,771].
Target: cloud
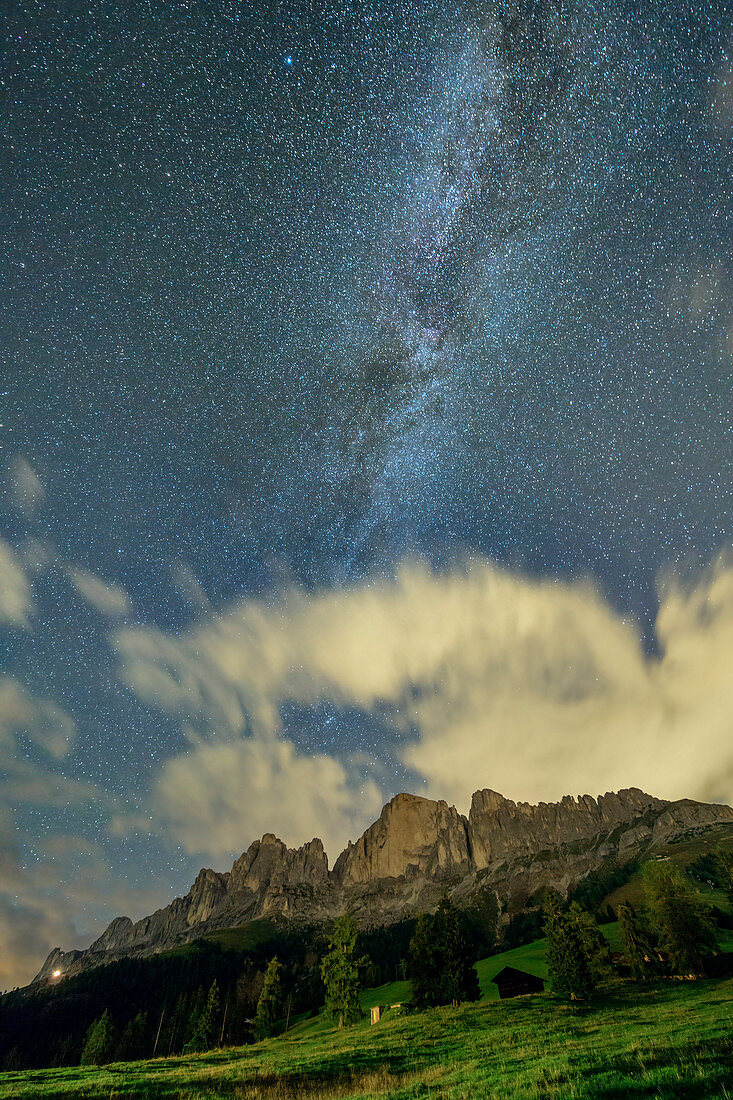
[560,698]
[28,924]
[46,724]
[189,587]
[35,737]
[26,931]
[16,604]
[61,896]
[218,797]
[26,488]
[109,599]
[534,687]
[36,904]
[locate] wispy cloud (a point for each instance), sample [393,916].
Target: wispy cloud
[16,603]
[109,599]
[535,687]
[25,486]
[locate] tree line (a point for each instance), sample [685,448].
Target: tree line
[673,933]
[206,996]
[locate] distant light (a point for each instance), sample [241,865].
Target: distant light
[288,61]
[56,974]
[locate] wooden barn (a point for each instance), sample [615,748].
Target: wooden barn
[515,983]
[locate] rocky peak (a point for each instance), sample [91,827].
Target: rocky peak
[114,934]
[206,894]
[412,836]
[404,861]
[501,828]
[268,862]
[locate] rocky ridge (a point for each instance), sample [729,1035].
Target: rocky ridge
[415,851]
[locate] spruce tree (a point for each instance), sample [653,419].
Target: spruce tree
[423,963]
[724,861]
[340,973]
[636,941]
[132,1042]
[595,944]
[678,916]
[577,952]
[441,959]
[482,917]
[97,1049]
[204,1030]
[269,1005]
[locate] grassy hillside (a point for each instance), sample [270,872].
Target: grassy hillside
[683,852]
[244,938]
[531,958]
[666,1039]
[669,1040]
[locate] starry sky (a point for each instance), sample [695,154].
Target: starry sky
[364,400]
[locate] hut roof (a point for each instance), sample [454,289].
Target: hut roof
[510,973]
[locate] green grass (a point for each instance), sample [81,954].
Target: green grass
[530,957]
[244,938]
[669,1040]
[683,852]
[391,993]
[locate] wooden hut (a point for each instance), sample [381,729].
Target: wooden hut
[377,1011]
[515,983]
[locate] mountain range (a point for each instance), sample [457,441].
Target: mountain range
[417,850]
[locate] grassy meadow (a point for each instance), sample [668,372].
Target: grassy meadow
[667,1039]
[681,851]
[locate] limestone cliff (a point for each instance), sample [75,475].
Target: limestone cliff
[416,850]
[501,829]
[413,837]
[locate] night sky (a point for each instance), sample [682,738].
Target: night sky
[364,390]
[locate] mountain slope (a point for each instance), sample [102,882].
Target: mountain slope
[416,850]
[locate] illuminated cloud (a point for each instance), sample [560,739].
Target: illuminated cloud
[109,599]
[16,604]
[36,905]
[535,687]
[45,901]
[26,488]
[218,797]
[44,723]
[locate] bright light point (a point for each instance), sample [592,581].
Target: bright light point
[56,974]
[288,61]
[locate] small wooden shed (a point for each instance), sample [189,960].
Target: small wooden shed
[515,983]
[377,1011]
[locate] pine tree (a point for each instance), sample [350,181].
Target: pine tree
[577,952]
[194,1008]
[340,973]
[724,861]
[483,916]
[678,916]
[441,959]
[424,963]
[204,1029]
[595,944]
[269,1005]
[177,1027]
[636,941]
[97,1049]
[132,1041]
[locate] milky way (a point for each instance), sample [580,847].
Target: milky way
[295,294]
